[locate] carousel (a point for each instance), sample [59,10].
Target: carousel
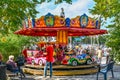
[60,27]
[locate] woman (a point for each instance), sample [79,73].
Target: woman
[107,55]
[99,55]
[11,65]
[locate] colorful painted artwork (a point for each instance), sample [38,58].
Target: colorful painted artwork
[84,20]
[49,20]
[67,22]
[59,22]
[33,23]
[40,22]
[75,22]
[97,24]
[80,59]
[62,21]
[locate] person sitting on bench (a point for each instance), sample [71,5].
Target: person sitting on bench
[11,65]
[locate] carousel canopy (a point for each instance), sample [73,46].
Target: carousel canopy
[49,25]
[53,31]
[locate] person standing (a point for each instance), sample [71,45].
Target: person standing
[49,59]
[1,58]
[99,55]
[107,55]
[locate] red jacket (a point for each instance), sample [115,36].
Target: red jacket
[24,52]
[49,56]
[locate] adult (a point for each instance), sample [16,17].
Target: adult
[24,52]
[1,58]
[11,64]
[20,62]
[59,54]
[107,55]
[99,54]
[49,59]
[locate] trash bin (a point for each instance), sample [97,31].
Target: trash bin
[2,72]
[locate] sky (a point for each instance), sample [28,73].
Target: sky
[77,8]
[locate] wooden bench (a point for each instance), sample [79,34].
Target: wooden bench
[11,72]
[106,69]
[10,75]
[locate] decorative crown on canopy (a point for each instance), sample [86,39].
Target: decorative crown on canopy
[50,20]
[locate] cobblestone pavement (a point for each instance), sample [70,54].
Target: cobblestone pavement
[79,77]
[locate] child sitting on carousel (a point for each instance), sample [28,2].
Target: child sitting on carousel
[82,56]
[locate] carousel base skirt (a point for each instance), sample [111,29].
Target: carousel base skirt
[62,70]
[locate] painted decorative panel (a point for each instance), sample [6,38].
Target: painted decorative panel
[84,20]
[49,20]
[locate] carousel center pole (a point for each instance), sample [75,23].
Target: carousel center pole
[62,37]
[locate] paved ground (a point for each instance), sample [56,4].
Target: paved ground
[79,77]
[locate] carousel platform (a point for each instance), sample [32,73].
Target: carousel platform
[62,70]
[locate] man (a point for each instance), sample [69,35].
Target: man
[49,59]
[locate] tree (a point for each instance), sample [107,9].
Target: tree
[110,9]
[12,12]
[12,44]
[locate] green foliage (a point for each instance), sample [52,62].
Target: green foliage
[106,8]
[12,12]
[110,9]
[55,1]
[100,40]
[60,1]
[12,44]
[95,40]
